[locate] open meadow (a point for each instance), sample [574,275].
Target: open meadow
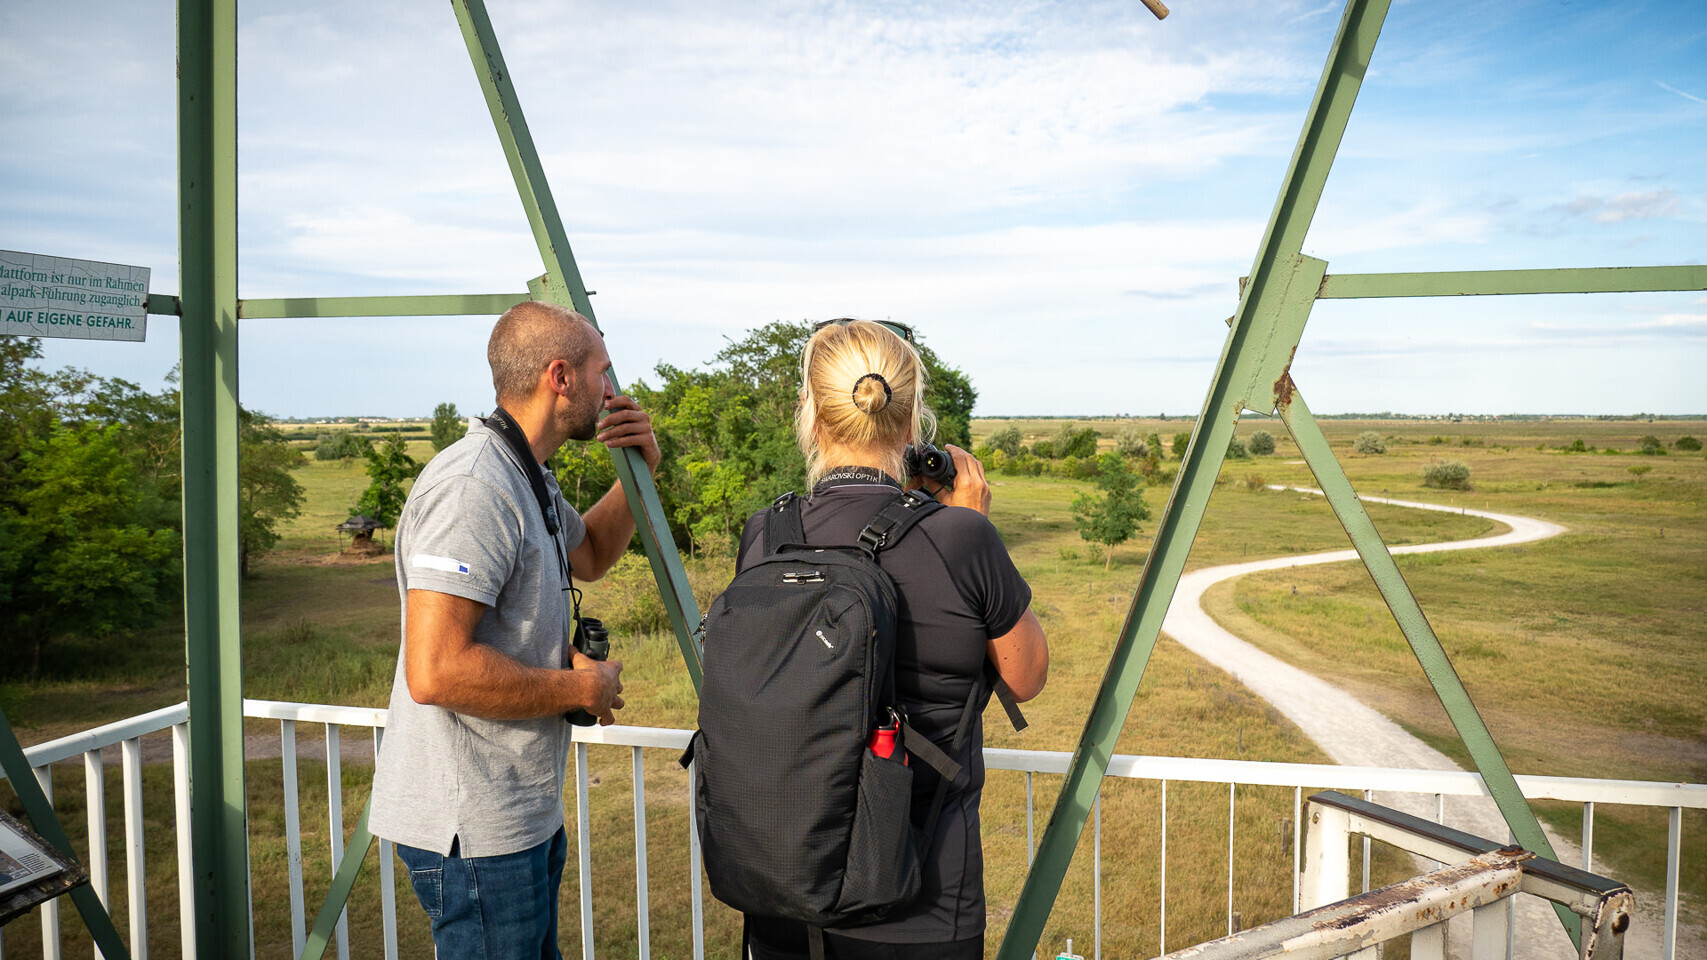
[1584,652]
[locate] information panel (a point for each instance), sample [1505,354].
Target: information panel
[42,296]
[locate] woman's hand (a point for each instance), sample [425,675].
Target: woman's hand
[970,488]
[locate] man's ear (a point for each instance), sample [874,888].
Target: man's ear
[561,377]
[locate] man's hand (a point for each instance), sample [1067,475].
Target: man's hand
[603,679]
[970,488]
[626,425]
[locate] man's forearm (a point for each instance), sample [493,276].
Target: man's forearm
[610,526]
[482,682]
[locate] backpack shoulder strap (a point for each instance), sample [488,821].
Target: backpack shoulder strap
[782,522]
[896,517]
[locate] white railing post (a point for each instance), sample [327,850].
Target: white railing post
[387,873]
[642,910]
[1230,811]
[695,895]
[335,820]
[1429,943]
[135,854]
[1488,931]
[1588,836]
[1327,862]
[95,788]
[50,909]
[293,836]
[1096,871]
[584,846]
[181,815]
[1674,857]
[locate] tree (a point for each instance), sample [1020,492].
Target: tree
[727,431]
[388,465]
[950,396]
[1008,440]
[1261,443]
[266,492]
[1073,441]
[1112,518]
[448,426]
[80,555]
[1130,443]
[1181,441]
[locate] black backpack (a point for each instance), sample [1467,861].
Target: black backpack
[798,818]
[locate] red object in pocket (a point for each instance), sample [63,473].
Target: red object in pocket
[883,742]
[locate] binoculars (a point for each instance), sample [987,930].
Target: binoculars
[593,640]
[928,463]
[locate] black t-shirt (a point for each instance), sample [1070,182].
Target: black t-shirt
[956,588]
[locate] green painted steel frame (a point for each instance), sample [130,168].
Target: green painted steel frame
[1254,368]
[209,309]
[1255,373]
[207,243]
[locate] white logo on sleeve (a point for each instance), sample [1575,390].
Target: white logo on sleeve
[426,561]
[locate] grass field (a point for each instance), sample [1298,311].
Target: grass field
[1582,652]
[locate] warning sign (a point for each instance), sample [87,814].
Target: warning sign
[43,296]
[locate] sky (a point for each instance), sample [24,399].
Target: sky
[1060,197]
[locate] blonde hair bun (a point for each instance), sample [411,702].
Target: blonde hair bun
[871,393]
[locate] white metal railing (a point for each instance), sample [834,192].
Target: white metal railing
[1674,797]
[127,736]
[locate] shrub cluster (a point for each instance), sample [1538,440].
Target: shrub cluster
[1687,443]
[1447,475]
[341,446]
[1261,443]
[1370,442]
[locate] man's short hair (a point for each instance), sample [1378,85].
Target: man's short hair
[527,338]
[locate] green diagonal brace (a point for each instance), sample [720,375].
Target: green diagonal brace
[1330,476]
[1258,351]
[563,285]
[349,868]
[17,769]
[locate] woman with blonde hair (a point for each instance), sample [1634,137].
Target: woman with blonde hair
[961,602]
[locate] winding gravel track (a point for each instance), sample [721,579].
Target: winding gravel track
[1353,734]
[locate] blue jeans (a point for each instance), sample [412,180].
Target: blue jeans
[491,908]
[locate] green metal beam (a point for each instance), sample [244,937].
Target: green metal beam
[40,811]
[1331,477]
[1270,320]
[1474,283]
[207,240]
[562,285]
[449,305]
[349,868]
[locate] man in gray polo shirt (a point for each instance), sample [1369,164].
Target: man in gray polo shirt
[469,783]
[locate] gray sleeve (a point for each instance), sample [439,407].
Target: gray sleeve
[464,539]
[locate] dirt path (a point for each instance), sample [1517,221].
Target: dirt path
[1353,734]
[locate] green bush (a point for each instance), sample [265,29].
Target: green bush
[1370,442]
[1652,446]
[341,446]
[1006,440]
[1261,443]
[1130,443]
[1236,450]
[1071,442]
[1447,475]
[1181,441]
[1043,450]
[1687,443]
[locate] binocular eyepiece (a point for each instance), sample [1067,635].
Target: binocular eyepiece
[928,463]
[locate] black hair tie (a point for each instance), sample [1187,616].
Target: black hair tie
[888,394]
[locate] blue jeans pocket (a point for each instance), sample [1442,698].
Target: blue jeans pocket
[427,876]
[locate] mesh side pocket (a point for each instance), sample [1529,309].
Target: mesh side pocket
[883,853]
